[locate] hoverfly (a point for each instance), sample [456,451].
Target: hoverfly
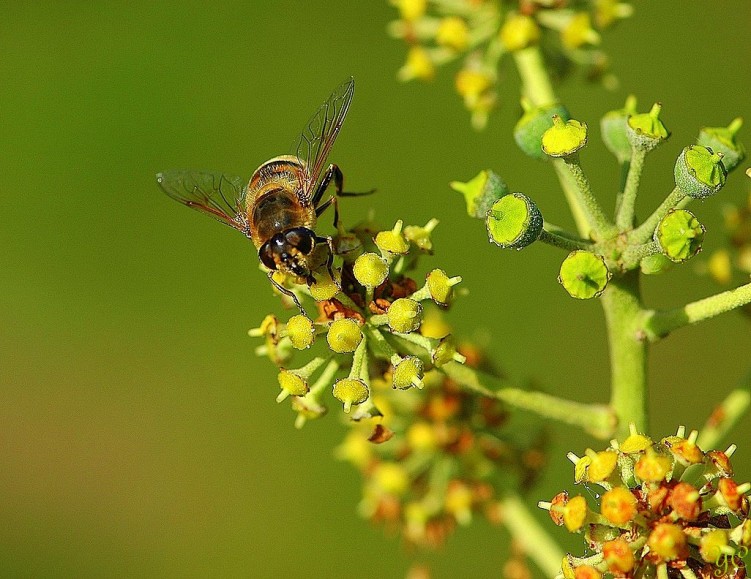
[278,208]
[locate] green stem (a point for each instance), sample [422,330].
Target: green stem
[571,191]
[628,352]
[635,253]
[535,79]
[644,232]
[563,242]
[625,167]
[596,219]
[534,539]
[726,415]
[596,419]
[624,219]
[658,324]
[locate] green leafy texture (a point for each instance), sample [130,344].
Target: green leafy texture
[699,172]
[514,221]
[679,235]
[646,131]
[584,275]
[481,192]
[533,124]
[722,140]
[564,138]
[613,130]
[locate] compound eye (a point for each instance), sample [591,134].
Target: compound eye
[301,238]
[266,255]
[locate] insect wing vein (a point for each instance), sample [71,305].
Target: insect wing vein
[313,145]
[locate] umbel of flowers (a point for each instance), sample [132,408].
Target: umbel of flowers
[482,32]
[453,457]
[369,324]
[656,509]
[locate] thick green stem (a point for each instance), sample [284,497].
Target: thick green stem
[526,530]
[658,324]
[596,419]
[644,232]
[624,219]
[628,352]
[536,84]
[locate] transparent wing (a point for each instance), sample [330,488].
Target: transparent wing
[216,194]
[318,137]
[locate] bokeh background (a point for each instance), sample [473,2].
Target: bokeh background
[139,435]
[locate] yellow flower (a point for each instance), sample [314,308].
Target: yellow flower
[453,32]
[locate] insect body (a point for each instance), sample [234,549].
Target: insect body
[278,208]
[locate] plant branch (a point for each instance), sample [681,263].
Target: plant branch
[726,415]
[628,353]
[596,218]
[635,253]
[571,191]
[658,324]
[624,219]
[596,419]
[535,78]
[644,232]
[535,540]
[550,236]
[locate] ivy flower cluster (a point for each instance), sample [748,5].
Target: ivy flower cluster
[665,509]
[452,457]
[605,247]
[369,324]
[481,32]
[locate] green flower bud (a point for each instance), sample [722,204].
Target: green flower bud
[404,315]
[679,235]
[564,138]
[445,352]
[481,192]
[344,336]
[420,236]
[408,373]
[291,384]
[350,391]
[699,172]
[300,332]
[392,241]
[533,124]
[584,274]
[614,133]
[514,221]
[370,270]
[655,264]
[441,286]
[646,131]
[722,140]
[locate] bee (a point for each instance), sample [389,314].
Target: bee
[278,208]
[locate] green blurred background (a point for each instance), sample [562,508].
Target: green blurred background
[138,433]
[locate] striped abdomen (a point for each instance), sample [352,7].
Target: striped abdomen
[276,200]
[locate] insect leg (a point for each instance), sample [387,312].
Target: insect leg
[330,259]
[286,292]
[333,172]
